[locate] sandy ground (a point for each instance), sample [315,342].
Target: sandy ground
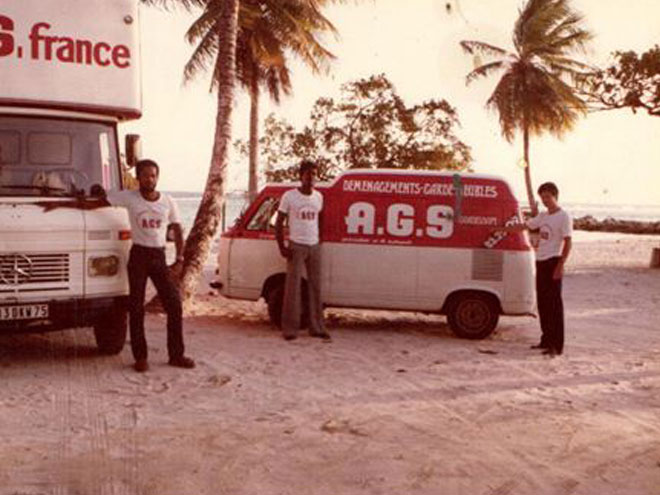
[394,405]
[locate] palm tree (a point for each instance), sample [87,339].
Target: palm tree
[264,41]
[222,16]
[253,71]
[216,31]
[534,95]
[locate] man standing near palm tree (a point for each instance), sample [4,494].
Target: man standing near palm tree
[556,228]
[302,207]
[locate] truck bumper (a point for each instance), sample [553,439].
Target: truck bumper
[63,314]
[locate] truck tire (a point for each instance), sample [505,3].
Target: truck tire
[110,331]
[473,315]
[275,299]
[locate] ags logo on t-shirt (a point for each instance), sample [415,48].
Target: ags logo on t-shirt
[149,222]
[307,215]
[545,232]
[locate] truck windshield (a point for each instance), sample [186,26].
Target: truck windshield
[52,157]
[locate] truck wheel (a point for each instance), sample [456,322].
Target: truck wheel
[275,299]
[110,331]
[473,315]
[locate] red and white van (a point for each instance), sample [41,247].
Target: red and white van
[401,240]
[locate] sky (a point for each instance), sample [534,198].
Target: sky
[610,157]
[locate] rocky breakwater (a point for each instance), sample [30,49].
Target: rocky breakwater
[613,225]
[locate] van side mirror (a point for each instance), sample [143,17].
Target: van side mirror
[133,148]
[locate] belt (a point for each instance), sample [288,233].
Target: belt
[147,248]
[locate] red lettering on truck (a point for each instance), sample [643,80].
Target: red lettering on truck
[62,48]
[6,39]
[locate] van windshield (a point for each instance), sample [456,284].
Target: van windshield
[56,157]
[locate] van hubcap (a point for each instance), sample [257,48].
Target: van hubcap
[473,315]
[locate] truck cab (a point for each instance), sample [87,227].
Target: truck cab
[73,81]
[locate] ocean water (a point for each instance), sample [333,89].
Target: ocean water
[640,213]
[237,201]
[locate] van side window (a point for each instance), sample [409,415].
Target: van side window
[265,217]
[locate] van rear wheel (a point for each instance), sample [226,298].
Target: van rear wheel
[110,331]
[473,315]
[275,300]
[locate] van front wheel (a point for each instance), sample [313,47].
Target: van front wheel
[473,315]
[110,331]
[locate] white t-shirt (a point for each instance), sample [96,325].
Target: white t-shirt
[149,219]
[303,211]
[553,228]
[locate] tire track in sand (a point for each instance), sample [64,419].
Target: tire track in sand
[108,476]
[61,399]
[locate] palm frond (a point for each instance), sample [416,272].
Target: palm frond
[174,4]
[473,47]
[268,30]
[484,70]
[576,40]
[203,57]
[503,101]
[204,23]
[566,67]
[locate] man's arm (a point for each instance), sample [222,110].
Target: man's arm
[566,250]
[78,204]
[279,234]
[518,227]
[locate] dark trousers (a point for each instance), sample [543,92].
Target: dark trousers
[550,305]
[303,257]
[143,263]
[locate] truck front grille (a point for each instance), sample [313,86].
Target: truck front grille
[27,272]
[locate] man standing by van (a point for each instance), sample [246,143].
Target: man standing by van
[302,207]
[555,230]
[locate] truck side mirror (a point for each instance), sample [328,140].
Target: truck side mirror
[133,148]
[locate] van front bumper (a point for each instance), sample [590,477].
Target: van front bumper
[69,313]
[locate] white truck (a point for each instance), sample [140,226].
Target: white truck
[69,74]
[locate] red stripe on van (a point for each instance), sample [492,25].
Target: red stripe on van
[409,210]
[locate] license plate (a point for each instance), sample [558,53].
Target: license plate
[24,312]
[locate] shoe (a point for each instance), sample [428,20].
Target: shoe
[539,346]
[290,337]
[182,362]
[321,335]
[551,352]
[141,365]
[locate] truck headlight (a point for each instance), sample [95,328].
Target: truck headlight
[103,266]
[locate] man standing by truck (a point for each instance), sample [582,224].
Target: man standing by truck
[302,207]
[555,230]
[150,212]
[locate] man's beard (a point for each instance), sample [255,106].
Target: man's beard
[147,189]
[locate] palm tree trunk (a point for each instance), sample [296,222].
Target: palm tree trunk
[198,243]
[254,136]
[528,173]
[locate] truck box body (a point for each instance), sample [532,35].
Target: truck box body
[78,55]
[394,239]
